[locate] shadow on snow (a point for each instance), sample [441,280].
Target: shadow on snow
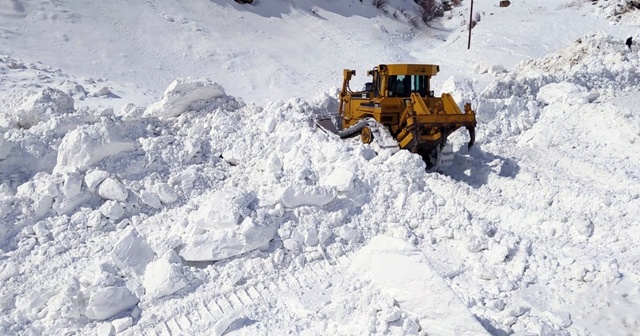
[476,167]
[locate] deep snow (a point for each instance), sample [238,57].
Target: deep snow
[201,210]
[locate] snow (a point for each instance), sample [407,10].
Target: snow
[298,195]
[164,276]
[400,269]
[113,190]
[107,302]
[132,253]
[183,94]
[160,172]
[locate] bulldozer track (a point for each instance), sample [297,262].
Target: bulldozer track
[209,312]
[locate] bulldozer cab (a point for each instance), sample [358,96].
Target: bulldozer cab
[400,80]
[404,85]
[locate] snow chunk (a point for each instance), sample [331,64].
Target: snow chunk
[64,206]
[150,199]
[223,211]
[40,229]
[113,190]
[72,185]
[109,301]
[122,323]
[406,274]
[87,145]
[67,303]
[341,178]
[559,318]
[222,244]
[292,245]
[164,276]
[166,193]
[104,92]
[295,196]
[8,270]
[583,226]
[132,253]
[94,178]
[183,94]
[105,329]
[310,237]
[112,210]
[497,69]
[130,111]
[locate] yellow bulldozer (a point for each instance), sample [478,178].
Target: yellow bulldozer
[399,100]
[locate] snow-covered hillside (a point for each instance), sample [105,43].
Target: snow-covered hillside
[215,206]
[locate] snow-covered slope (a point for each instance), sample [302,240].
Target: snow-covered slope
[262,52]
[197,211]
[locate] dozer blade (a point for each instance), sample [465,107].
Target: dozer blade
[327,125]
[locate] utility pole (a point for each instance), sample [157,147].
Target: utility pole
[470,26]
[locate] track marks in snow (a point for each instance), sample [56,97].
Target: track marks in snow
[206,312]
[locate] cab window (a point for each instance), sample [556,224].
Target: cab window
[404,85]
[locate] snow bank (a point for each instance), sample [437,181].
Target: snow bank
[596,61]
[591,70]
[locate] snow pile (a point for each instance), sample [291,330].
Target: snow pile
[242,193]
[168,185]
[164,276]
[595,68]
[596,61]
[217,230]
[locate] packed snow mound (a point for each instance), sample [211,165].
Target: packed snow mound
[84,146]
[26,110]
[183,94]
[596,61]
[565,93]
